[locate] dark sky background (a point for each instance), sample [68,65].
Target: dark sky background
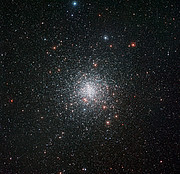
[89,86]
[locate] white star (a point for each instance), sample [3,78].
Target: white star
[74,3]
[105,37]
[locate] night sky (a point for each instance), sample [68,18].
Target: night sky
[89,86]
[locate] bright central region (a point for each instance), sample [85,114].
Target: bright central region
[89,90]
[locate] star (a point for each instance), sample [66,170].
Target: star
[54,47]
[116,116]
[133,44]
[74,3]
[108,122]
[84,169]
[104,107]
[95,65]
[105,37]
[85,100]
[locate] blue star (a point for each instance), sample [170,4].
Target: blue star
[74,3]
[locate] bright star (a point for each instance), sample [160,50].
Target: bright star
[105,37]
[108,122]
[74,3]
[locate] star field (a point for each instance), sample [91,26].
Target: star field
[89,87]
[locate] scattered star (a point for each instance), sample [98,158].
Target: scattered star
[95,64]
[105,37]
[108,123]
[133,44]
[54,48]
[104,107]
[84,169]
[74,3]
[116,116]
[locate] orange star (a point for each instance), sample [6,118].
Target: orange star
[133,44]
[116,116]
[104,107]
[54,48]
[85,100]
[95,64]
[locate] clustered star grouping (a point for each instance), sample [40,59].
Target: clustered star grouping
[89,87]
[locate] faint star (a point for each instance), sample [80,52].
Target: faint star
[84,169]
[104,107]
[95,64]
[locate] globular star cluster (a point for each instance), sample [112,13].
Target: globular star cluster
[91,90]
[89,87]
